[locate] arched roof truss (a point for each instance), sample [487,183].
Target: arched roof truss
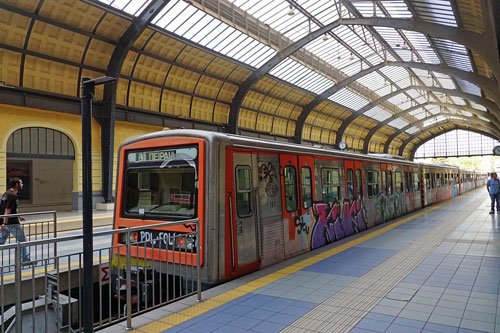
[334,70]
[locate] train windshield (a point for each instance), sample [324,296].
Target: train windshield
[161,184]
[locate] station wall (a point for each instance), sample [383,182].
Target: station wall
[14,118]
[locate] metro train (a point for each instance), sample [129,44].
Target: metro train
[259,201]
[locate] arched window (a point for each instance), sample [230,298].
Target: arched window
[39,142]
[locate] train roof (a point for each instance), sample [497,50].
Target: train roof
[265,144]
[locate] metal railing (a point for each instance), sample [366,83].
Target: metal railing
[133,275]
[43,228]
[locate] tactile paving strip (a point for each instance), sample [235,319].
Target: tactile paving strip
[342,311]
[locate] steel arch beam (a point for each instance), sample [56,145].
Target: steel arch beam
[482,81]
[495,130]
[374,130]
[441,123]
[418,145]
[107,118]
[469,39]
[479,100]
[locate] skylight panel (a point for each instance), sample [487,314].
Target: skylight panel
[349,99]
[398,123]
[398,75]
[477,106]
[378,113]
[454,54]
[457,100]
[372,81]
[132,7]
[295,73]
[412,130]
[421,45]
[325,11]
[397,8]
[468,87]
[435,11]
[186,20]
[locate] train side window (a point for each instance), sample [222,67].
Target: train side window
[305,174]
[433,180]
[384,180]
[446,179]
[428,181]
[290,179]
[389,183]
[243,190]
[407,182]
[359,184]
[399,181]
[438,180]
[330,181]
[416,182]
[372,183]
[350,184]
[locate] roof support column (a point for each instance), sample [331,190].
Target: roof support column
[107,118]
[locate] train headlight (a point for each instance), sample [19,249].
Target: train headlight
[185,243]
[133,237]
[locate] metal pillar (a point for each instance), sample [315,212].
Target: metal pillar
[88,88]
[88,290]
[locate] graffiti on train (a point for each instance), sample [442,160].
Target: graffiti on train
[336,221]
[268,174]
[390,206]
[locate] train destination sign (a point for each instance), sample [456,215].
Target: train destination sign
[162,155]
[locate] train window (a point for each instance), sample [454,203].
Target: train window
[243,190]
[384,180]
[428,181]
[372,184]
[160,192]
[350,184]
[416,182]
[330,181]
[438,180]
[433,180]
[305,174]
[408,182]
[359,184]
[290,179]
[399,181]
[389,183]
[446,179]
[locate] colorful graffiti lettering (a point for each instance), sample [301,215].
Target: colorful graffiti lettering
[390,206]
[336,221]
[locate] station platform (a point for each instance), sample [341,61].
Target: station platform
[437,270]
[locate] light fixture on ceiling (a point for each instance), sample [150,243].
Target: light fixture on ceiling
[405,46]
[325,37]
[386,83]
[291,12]
[429,74]
[351,57]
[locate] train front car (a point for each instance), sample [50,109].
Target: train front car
[160,196]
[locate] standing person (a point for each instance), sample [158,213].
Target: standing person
[11,225]
[492,187]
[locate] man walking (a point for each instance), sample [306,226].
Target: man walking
[11,225]
[492,187]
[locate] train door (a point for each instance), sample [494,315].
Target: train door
[409,195]
[270,213]
[244,228]
[293,233]
[353,180]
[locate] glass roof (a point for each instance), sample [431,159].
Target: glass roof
[344,51]
[132,7]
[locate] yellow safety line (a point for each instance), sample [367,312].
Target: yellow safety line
[214,302]
[42,270]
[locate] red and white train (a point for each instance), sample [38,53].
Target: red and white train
[259,202]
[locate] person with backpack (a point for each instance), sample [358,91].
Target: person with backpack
[11,225]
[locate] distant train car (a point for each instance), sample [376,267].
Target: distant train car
[260,201]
